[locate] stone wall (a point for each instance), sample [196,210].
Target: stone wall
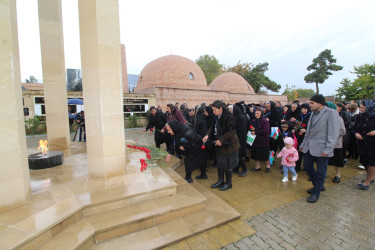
[195,97]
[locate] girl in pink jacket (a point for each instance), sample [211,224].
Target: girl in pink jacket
[289,157]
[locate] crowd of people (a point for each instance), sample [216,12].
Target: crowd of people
[231,134]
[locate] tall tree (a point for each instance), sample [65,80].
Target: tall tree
[362,87]
[210,67]
[257,79]
[240,68]
[321,68]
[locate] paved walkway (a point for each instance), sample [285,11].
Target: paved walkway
[343,218]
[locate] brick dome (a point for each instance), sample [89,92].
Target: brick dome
[232,83]
[171,71]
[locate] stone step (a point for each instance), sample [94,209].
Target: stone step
[78,236]
[125,220]
[170,232]
[39,228]
[139,187]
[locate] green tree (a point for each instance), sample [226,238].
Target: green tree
[257,79]
[210,67]
[240,68]
[321,68]
[305,92]
[291,92]
[360,88]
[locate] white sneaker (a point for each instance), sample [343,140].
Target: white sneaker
[294,178]
[361,167]
[284,179]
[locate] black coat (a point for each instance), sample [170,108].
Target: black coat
[345,115]
[274,118]
[158,121]
[185,136]
[363,125]
[241,129]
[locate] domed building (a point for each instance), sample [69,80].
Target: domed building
[172,72]
[232,83]
[174,79]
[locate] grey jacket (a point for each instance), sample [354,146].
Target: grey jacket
[322,133]
[341,135]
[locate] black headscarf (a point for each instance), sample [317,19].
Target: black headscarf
[175,126]
[370,108]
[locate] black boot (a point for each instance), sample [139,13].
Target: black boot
[220,182]
[203,174]
[228,183]
[243,172]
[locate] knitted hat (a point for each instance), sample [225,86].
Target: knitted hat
[319,98]
[305,105]
[289,140]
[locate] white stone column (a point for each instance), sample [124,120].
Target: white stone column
[102,87]
[125,83]
[54,79]
[14,168]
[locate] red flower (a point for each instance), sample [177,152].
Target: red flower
[152,129]
[304,125]
[142,160]
[251,127]
[148,156]
[203,147]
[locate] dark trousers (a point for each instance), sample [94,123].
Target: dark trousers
[318,176]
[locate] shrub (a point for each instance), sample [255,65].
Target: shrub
[35,126]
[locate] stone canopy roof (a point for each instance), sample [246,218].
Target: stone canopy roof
[171,71]
[232,83]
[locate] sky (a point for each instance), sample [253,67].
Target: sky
[287,34]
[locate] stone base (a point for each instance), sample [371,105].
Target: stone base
[49,160]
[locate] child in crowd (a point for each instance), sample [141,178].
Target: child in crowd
[289,157]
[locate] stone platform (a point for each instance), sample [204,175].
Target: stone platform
[49,160]
[69,210]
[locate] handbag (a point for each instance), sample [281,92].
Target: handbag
[250,138]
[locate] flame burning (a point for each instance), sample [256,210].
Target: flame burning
[43,146]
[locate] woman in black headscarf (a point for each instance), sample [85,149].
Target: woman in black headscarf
[200,126]
[190,142]
[285,116]
[241,130]
[227,145]
[364,129]
[300,130]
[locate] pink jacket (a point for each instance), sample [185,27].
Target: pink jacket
[289,156]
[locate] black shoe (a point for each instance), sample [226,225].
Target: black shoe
[371,182]
[226,186]
[336,179]
[268,170]
[202,176]
[189,180]
[313,198]
[311,190]
[255,169]
[242,173]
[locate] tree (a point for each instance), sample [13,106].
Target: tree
[303,93]
[240,69]
[362,87]
[33,79]
[291,92]
[210,67]
[257,79]
[322,67]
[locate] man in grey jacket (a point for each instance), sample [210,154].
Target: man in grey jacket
[320,139]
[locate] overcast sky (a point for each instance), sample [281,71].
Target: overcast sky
[286,34]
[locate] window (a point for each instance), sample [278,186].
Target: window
[39,106]
[191,76]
